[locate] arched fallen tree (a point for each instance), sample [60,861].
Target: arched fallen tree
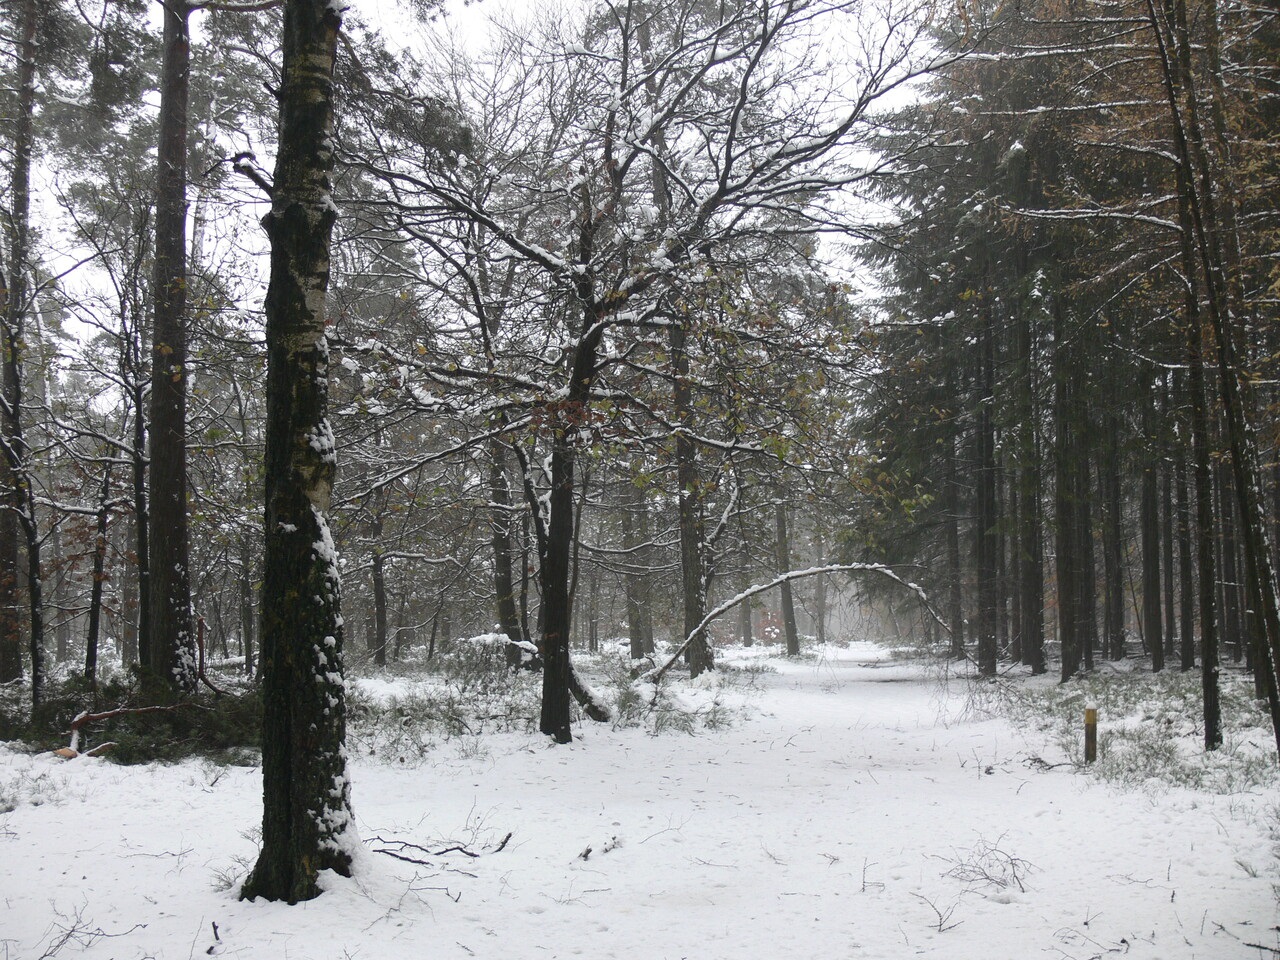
[657,673]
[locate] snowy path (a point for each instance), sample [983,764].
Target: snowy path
[844,821]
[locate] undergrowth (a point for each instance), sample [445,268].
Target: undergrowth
[224,727]
[715,700]
[1150,728]
[468,691]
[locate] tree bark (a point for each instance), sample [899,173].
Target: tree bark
[307,821]
[951,531]
[689,494]
[99,576]
[635,525]
[1112,545]
[783,548]
[20,495]
[1149,521]
[503,550]
[986,533]
[171,647]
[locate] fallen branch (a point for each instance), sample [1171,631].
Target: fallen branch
[84,718]
[653,676]
[397,849]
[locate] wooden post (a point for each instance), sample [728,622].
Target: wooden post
[1090,734]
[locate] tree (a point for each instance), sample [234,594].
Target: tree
[307,824]
[169,647]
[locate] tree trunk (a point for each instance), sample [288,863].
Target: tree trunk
[783,546]
[500,540]
[11,492]
[1064,523]
[1186,579]
[1112,544]
[1088,568]
[307,822]
[689,493]
[1149,521]
[955,572]
[99,576]
[171,646]
[246,607]
[1204,223]
[378,579]
[1167,524]
[141,514]
[18,302]
[986,534]
[1030,563]
[820,593]
[635,578]
[558,681]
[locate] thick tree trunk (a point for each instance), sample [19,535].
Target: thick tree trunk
[307,822]
[20,494]
[171,645]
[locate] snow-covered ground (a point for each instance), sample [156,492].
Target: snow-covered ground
[858,811]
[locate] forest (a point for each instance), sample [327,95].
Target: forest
[352,339]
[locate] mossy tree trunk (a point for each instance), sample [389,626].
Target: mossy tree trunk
[307,823]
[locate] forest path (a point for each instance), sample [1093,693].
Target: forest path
[859,811]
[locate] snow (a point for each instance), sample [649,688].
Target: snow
[859,809]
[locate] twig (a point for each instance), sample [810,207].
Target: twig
[396,848]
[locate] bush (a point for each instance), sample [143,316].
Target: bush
[467,689]
[1150,730]
[714,700]
[225,727]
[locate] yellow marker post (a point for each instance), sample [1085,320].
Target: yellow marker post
[1090,734]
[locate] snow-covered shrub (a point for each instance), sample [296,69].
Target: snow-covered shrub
[1150,729]
[676,704]
[467,689]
